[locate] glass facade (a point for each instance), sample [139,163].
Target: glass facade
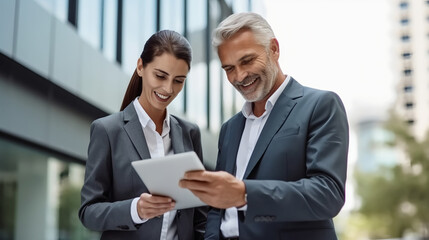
[196,85]
[208,98]
[172,18]
[139,23]
[109,28]
[40,192]
[89,21]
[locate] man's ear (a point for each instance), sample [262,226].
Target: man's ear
[140,67]
[274,48]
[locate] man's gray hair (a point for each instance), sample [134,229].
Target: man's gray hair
[247,20]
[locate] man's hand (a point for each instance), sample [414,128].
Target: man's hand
[217,189]
[149,206]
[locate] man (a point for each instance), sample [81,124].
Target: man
[281,167]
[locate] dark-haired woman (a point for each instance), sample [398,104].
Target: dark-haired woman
[114,199]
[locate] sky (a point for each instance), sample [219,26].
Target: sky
[343,46]
[339,45]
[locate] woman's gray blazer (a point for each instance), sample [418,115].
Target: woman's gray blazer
[111,183]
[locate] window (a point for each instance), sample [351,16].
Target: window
[405,38]
[196,101]
[408,89]
[138,25]
[108,41]
[89,22]
[408,72]
[409,105]
[406,55]
[405,21]
[52,184]
[172,15]
[172,18]
[403,5]
[240,5]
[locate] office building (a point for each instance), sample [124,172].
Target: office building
[411,33]
[64,63]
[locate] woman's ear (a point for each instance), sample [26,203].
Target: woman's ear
[140,67]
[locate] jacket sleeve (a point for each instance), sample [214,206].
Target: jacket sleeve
[97,211]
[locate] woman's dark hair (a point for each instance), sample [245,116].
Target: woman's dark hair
[165,41]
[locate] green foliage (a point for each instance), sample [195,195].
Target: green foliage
[396,200]
[70,227]
[7,209]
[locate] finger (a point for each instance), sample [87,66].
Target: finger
[144,202]
[149,205]
[199,175]
[155,199]
[194,185]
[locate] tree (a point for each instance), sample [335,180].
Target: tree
[395,200]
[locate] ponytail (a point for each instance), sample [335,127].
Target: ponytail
[134,90]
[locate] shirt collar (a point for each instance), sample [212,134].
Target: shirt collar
[146,121]
[247,107]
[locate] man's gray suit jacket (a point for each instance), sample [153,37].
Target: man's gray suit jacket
[296,175]
[111,183]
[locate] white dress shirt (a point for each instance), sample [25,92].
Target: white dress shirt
[252,129]
[159,145]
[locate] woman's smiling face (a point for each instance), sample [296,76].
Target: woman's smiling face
[163,79]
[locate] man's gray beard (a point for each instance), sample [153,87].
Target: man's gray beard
[270,68]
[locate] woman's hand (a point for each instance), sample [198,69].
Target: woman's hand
[150,206]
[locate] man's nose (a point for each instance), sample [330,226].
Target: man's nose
[241,75]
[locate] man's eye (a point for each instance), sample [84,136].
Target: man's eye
[247,61]
[229,69]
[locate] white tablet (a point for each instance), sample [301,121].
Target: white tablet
[161,176]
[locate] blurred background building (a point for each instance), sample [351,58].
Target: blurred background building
[411,29]
[381,165]
[64,63]
[373,149]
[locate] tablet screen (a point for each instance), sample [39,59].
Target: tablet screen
[161,176]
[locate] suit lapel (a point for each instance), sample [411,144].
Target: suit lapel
[236,131]
[278,116]
[176,136]
[135,132]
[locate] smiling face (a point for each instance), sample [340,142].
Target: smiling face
[163,79]
[250,68]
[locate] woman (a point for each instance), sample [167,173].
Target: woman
[114,199]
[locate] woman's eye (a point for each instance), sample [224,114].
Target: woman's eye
[160,76]
[179,80]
